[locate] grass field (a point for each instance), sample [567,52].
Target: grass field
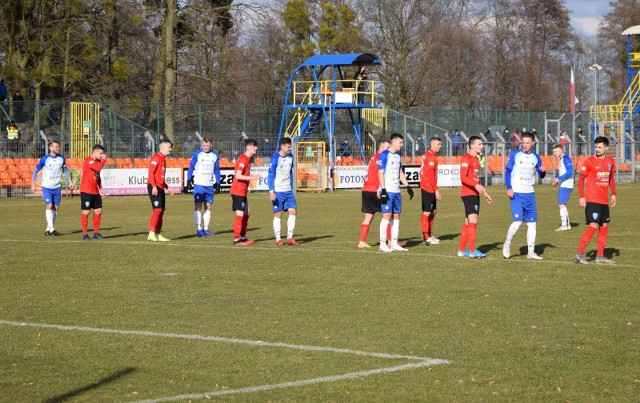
[127,320]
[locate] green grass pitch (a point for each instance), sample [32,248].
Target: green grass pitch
[128,320]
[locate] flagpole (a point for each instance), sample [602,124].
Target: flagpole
[573,111]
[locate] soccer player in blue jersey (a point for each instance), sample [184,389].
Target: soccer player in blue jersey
[565,179]
[52,166]
[520,176]
[390,175]
[280,182]
[204,175]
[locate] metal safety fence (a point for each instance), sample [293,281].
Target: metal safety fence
[131,132]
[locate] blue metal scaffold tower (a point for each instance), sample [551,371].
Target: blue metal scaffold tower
[320,87]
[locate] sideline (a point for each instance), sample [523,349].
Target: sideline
[421,361]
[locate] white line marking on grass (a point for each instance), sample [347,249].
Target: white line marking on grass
[221,340]
[412,251]
[292,384]
[422,361]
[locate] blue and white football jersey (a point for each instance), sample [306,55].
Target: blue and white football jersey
[565,172]
[52,166]
[390,163]
[521,171]
[280,173]
[204,168]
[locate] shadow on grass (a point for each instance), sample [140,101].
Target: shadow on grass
[489,247]
[102,229]
[574,224]
[448,237]
[189,236]
[128,234]
[413,242]
[94,385]
[539,248]
[311,238]
[608,252]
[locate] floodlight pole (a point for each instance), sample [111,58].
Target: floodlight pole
[595,67]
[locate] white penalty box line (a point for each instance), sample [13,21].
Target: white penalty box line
[419,362]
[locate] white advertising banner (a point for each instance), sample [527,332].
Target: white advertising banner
[349,177]
[352,177]
[133,181]
[449,175]
[227,174]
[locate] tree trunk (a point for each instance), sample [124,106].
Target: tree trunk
[170,67]
[158,83]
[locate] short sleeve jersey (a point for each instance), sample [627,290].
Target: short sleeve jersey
[239,187]
[565,172]
[90,182]
[371,181]
[521,171]
[157,171]
[52,168]
[469,170]
[204,168]
[429,172]
[280,173]
[599,174]
[389,162]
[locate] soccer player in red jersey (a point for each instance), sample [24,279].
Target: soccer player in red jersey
[470,194]
[598,172]
[370,195]
[91,191]
[429,189]
[239,188]
[156,186]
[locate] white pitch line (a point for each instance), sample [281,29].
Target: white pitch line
[258,343]
[293,384]
[412,252]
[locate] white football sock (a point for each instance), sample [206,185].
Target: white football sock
[564,216]
[55,215]
[291,225]
[206,217]
[531,237]
[513,228]
[383,230]
[49,216]
[277,227]
[197,218]
[395,231]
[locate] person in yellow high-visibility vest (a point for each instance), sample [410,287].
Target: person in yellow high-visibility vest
[13,135]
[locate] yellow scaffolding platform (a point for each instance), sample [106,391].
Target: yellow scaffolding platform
[85,122]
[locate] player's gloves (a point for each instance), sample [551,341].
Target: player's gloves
[384,197]
[410,192]
[190,183]
[216,188]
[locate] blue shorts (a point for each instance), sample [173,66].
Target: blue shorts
[51,196]
[523,207]
[284,201]
[393,205]
[563,195]
[203,194]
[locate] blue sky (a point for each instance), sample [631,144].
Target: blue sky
[586,15]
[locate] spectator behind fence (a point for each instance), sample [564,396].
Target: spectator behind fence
[579,140]
[147,144]
[361,85]
[13,137]
[564,140]
[456,141]
[4,92]
[18,107]
[514,137]
[189,147]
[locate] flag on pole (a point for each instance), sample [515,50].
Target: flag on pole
[572,94]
